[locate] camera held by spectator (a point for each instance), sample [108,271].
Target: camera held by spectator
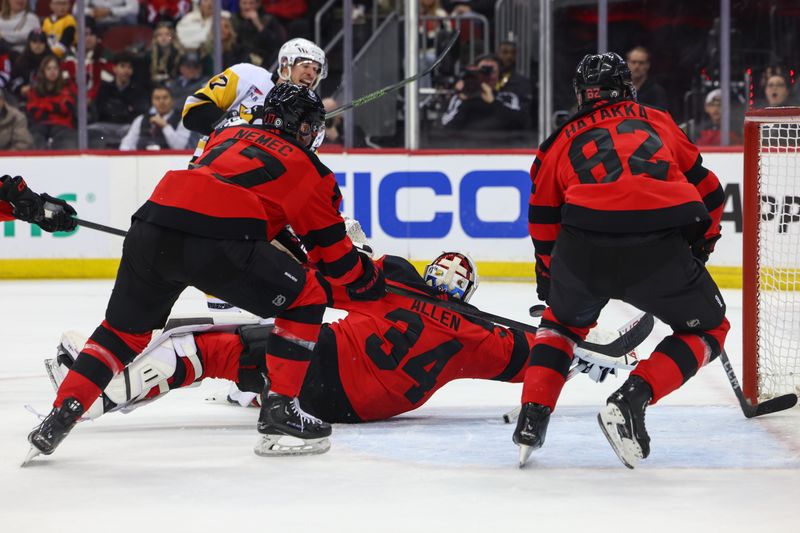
[472,78]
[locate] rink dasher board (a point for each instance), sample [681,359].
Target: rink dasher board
[410,204]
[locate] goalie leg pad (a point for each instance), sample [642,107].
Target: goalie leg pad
[57,368]
[154,368]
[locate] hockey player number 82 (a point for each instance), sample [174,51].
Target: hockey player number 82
[639,161]
[423,368]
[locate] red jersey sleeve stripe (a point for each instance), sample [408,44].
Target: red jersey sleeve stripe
[520,354]
[325,236]
[544,232]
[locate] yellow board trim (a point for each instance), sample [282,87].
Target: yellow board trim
[58,268]
[726,277]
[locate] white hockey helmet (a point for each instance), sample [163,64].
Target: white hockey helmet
[299,50]
[454,273]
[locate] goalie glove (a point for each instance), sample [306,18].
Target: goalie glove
[595,372]
[358,237]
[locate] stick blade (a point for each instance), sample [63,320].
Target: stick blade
[781,403]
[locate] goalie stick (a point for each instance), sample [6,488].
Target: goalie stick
[617,348]
[773,405]
[393,87]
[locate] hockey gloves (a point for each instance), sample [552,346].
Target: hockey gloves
[28,206]
[371,285]
[57,215]
[702,248]
[542,283]
[51,214]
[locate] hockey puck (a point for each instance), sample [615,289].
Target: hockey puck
[537,310]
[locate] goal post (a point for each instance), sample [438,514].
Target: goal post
[771,253]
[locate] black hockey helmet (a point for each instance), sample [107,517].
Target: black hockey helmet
[296,111]
[603,77]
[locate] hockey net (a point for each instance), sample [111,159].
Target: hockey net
[771,255]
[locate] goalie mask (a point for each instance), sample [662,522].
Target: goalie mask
[602,77]
[298,51]
[296,111]
[453,273]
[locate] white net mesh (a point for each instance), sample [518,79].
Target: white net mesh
[779,260]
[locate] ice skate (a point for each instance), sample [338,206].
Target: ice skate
[531,429]
[46,437]
[288,430]
[622,421]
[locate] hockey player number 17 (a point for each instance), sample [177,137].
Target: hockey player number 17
[423,368]
[639,161]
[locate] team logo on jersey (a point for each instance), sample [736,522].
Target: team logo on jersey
[693,323]
[279,300]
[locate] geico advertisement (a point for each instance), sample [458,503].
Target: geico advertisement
[80,180]
[410,205]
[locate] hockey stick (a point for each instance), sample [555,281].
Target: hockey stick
[100,227]
[382,92]
[617,348]
[773,405]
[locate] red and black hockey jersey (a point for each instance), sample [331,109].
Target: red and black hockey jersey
[394,353]
[53,109]
[621,167]
[250,183]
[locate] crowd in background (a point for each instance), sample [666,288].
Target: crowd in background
[144,57]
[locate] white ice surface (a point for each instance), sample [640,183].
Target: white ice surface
[185,465]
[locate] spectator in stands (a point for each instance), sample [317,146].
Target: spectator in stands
[109,13]
[51,108]
[158,129]
[98,69]
[709,132]
[647,91]
[777,91]
[163,54]
[118,102]
[334,128]
[16,22]
[512,81]
[291,14]
[6,55]
[25,66]
[260,34]
[159,11]
[477,105]
[190,79]
[232,51]
[61,28]
[14,134]
[194,27]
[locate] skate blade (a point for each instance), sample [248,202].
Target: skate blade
[32,454]
[524,454]
[628,451]
[283,445]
